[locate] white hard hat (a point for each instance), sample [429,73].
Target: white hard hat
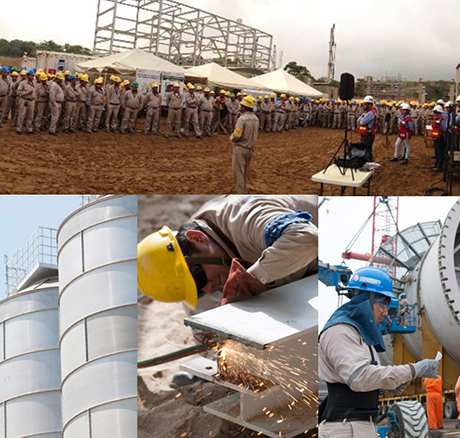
[458,98]
[368,99]
[450,103]
[440,102]
[405,106]
[438,108]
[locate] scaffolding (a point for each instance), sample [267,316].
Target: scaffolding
[179,33]
[39,253]
[391,88]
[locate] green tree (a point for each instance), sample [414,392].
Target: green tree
[51,46]
[299,71]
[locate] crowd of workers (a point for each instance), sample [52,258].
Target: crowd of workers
[36,101]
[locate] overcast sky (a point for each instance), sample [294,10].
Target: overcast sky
[342,217]
[414,38]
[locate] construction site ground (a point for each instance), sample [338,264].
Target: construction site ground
[163,411]
[136,163]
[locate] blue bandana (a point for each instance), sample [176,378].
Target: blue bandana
[358,313]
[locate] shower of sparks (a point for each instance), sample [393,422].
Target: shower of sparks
[242,366]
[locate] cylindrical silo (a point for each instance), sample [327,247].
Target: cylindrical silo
[98,331]
[30,370]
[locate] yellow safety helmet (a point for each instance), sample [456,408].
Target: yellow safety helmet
[297,99]
[59,75]
[207,90]
[37,73]
[23,72]
[162,272]
[40,70]
[117,79]
[291,99]
[125,82]
[228,93]
[15,73]
[260,99]
[112,78]
[154,85]
[99,80]
[84,77]
[191,86]
[266,96]
[273,96]
[199,88]
[67,73]
[239,94]
[223,91]
[176,85]
[248,102]
[283,96]
[43,77]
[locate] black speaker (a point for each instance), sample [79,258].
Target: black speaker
[347,86]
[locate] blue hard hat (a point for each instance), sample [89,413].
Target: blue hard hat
[72,77]
[31,72]
[5,69]
[372,279]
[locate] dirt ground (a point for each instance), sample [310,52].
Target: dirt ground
[114,163]
[162,411]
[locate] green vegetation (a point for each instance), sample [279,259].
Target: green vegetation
[17,48]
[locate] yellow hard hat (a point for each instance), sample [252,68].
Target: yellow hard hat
[23,72]
[162,272]
[266,96]
[59,75]
[297,99]
[191,86]
[15,73]
[239,94]
[199,88]
[249,102]
[125,82]
[207,90]
[37,73]
[117,79]
[99,80]
[154,85]
[112,78]
[283,96]
[223,91]
[84,77]
[176,85]
[67,73]
[43,77]
[40,70]
[228,93]
[273,96]
[291,99]
[260,98]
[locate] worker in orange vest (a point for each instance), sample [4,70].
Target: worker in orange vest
[434,403]
[457,396]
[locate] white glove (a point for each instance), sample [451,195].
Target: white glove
[426,368]
[400,389]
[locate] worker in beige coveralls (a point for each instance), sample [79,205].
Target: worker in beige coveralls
[349,364]
[244,139]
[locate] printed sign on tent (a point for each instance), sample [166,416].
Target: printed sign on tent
[145,78]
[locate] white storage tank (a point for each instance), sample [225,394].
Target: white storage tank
[97,251]
[30,401]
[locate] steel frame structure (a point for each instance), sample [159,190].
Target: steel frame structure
[179,33]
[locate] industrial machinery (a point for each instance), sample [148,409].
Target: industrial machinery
[423,261]
[266,351]
[68,327]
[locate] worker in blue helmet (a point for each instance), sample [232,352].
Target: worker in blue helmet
[348,361]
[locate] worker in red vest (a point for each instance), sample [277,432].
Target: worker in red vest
[434,403]
[367,124]
[406,128]
[438,135]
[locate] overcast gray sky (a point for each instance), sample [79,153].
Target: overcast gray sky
[342,217]
[414,38]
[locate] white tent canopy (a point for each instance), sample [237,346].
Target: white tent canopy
[283,82]
[128,62]
[221,76]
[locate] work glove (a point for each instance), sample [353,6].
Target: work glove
[400,389]
[426,368]
[240,283]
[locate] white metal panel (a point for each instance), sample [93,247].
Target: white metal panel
[70,262]
[32,332]
[34,414]
[78,427]
[27,302]
[115,420]
[109,286]
[2,420]
[2,342]
[114,240]
[111,331]
[73,349]
[96,212]
[98,382]
[266,319]
[30,373]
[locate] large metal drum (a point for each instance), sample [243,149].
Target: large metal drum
[30,378]
[97,250]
